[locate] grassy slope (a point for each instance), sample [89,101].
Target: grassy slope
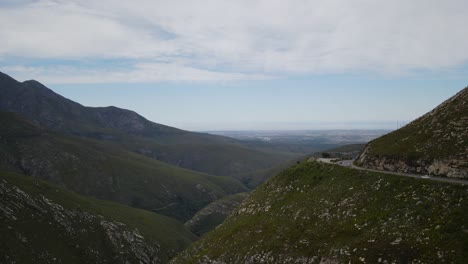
[313,211]
[201,152]
[216,157]
[44,233]
[104,171]
[214,214]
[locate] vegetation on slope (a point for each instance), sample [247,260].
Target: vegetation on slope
[436,143]
[43,223]
[350,151]
[224,159]
[314,213]
[214,214]
[104,171]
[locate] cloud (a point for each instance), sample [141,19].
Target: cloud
[56,30]
[212,39]
[143,72]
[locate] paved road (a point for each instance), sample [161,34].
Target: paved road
[349,164]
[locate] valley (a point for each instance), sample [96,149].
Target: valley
[233,132]
[303,142]
[114,187]
[126,129]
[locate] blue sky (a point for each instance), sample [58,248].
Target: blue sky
[236,65]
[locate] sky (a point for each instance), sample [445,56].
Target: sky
[244,64]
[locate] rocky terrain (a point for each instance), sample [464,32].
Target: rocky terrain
[436,143]
[214,214]
[42,223]
[323,213]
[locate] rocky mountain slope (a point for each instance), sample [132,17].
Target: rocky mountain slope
[105,171]
[436,143]
[323,213]
[43,223]
[206,153]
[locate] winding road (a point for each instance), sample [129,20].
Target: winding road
[349,164]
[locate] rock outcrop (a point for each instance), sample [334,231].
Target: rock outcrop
[86,236]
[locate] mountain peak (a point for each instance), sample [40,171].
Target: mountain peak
[436,143]
[43,106]
[34,83]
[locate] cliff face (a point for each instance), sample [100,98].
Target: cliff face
[436,143]
[454,167]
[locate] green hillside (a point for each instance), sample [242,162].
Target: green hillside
[214,214]
[436,143]
[102,170]
[216,158]
[206,153]
[322,213]
[43,223]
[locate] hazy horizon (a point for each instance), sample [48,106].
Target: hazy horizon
[287,127]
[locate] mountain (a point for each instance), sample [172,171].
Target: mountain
[322,213]
[43,223]
[206,153]
[105,171]
[436,143]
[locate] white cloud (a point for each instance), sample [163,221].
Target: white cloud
[247,38]
[53,30]
[143,72]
